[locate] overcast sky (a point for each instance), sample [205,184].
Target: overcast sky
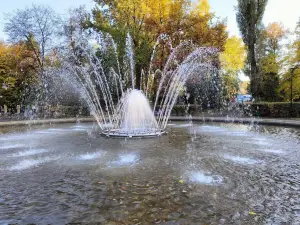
[287,11]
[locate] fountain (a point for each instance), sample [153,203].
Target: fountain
[118,107]
[135,117]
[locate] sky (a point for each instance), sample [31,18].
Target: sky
[287,12]
[59,6]
[276,11]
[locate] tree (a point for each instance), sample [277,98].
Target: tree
[269,67]
[292,59]
[234,56]
[273,35]
[232,62]
[17,74]
[269,56]
[38,26]
[249,17]
[147,20]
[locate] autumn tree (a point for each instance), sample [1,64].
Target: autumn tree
[269,57]
[234,56]
[292,59]
[273,34]
[249,18]
[147,20]
[38,26]
[232,60]
[17,74]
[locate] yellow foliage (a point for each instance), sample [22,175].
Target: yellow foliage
[275,30]
[202,8]
[234,56]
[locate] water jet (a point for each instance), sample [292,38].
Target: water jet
[111,94]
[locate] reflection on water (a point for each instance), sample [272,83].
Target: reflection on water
[197,174]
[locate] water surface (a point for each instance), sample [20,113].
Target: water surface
[209,173]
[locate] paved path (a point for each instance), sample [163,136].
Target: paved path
[262,121]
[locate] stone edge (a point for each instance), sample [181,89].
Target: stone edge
[261,121]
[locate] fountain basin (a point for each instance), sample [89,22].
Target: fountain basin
[57,174]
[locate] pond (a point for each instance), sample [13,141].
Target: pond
[199,173]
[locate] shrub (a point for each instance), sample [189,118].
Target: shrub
[260,109]
[275,109]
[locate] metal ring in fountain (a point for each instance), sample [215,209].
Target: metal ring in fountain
[120,133]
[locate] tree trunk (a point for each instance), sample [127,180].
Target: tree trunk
[138,72]
[254,72]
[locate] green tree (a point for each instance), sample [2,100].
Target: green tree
[269,67]
[249,18]
[269,60]
[292,59]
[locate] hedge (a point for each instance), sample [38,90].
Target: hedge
[275,109]
[64,111]
[183,110]
[260,109]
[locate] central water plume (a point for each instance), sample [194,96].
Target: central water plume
[117,106]
[136,114]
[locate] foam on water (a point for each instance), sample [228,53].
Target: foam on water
[264,143]
[11,146]
[57,129]
[275,151]
[211,129]
[125,159]
[259,138]
[14,137]
[128,158]
[90,156]
[79,129]
[171,124]
[79,126]
[51,131]
[44,132]
[240,160]
[201,177]
[29,152]
[183,125]
[27,163]
[239,133]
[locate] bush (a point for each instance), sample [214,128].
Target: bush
[64,111]
[275,109]
[260,109]
[183,110]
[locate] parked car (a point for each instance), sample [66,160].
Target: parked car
[248,98]
[239,98]
[243,98]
